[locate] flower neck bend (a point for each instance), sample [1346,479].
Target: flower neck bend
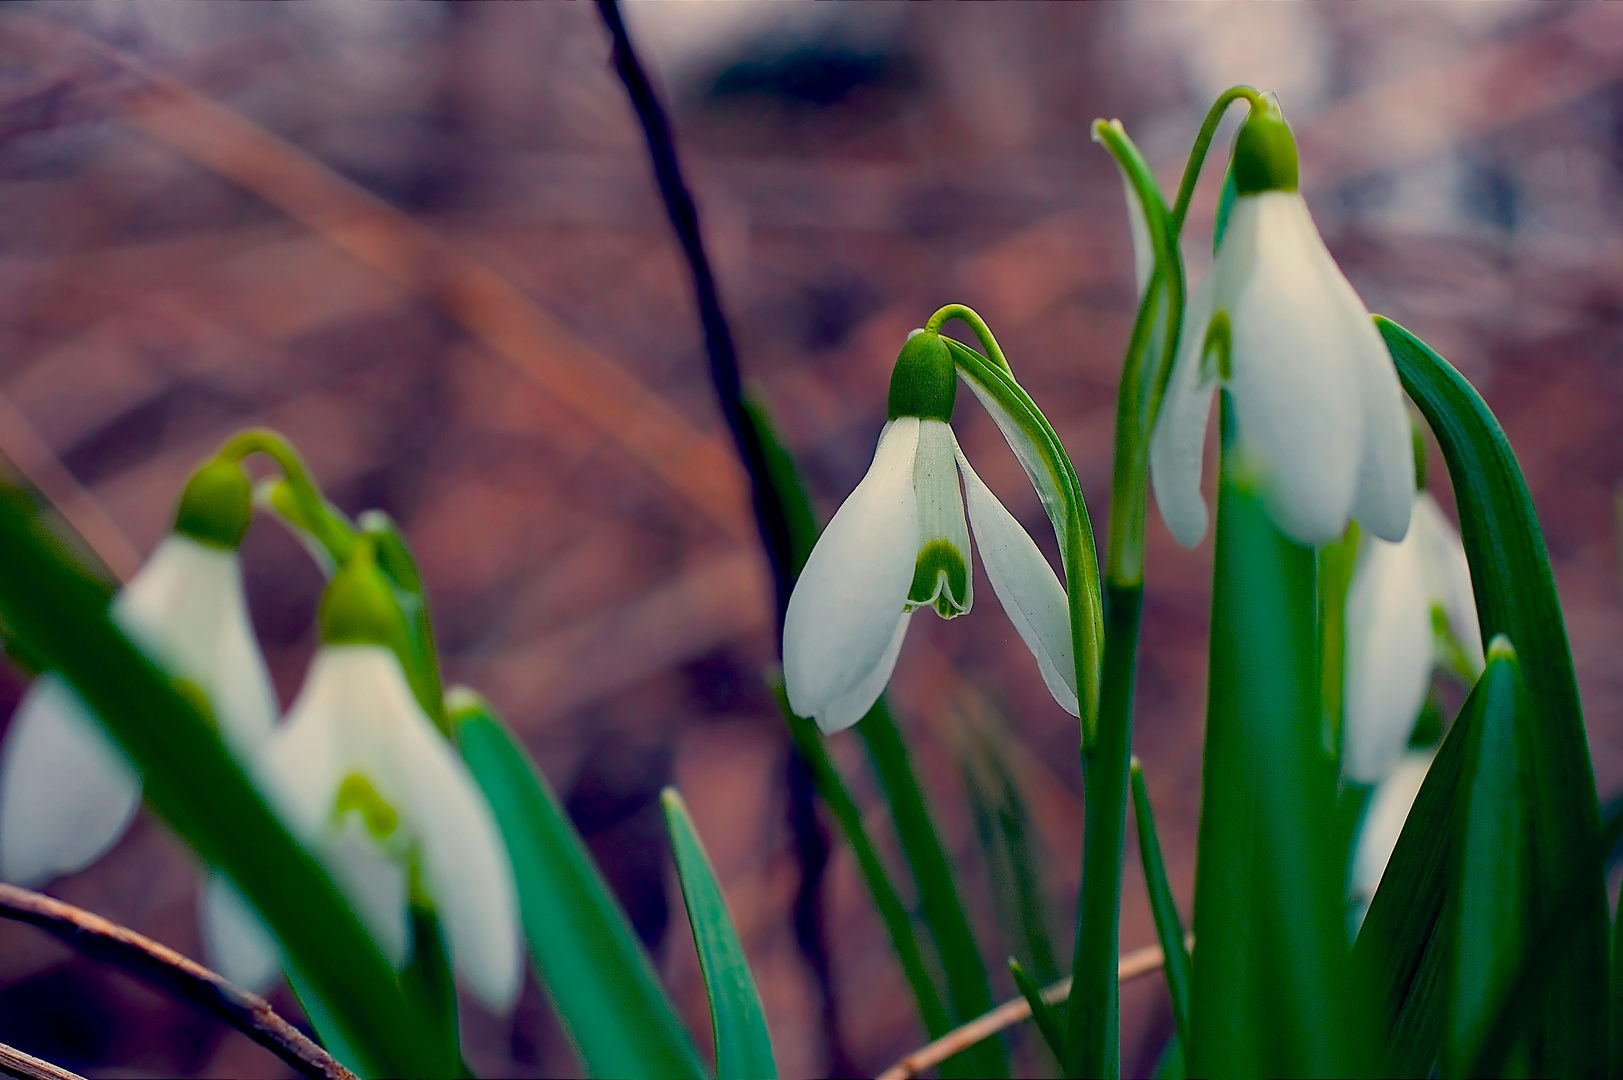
[359,607]
[1265,151]
[924,382]
[216,505]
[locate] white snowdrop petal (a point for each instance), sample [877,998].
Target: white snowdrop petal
[465,863]
[1294,381]
[941,506]
[1389,658]
[1028,454]
[1026,586]
[374,882]
[1179,438]
[66,791]
[1383,823]
[236,941]
[187,611]
[1448,576]
[854,704]
[301,765]
[843,612]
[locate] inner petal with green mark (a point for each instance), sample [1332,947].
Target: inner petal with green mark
[940,579]
[941,571]
[357,793]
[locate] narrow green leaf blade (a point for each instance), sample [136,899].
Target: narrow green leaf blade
[1168,926]
[1042,1013]
[595,970]
[1489,901]
[743,1045]
[59,611]
[1405,935]
[967,985]
[1272,992]
[1516,596]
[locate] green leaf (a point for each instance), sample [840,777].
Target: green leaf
[595,970]
[1489,900]
[1003,827]
[967,986]
[1271,993]
[1168,926]
[743,1045]
[1225,207]
[1044,1014]
[191,780]
[1404,940]
[1516,596]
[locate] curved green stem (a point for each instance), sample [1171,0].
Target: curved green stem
[1203,143]
[976,323]
[1066,509]
[318,517]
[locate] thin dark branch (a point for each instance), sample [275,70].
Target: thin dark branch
[718,339]
[163,967]
[14,1062]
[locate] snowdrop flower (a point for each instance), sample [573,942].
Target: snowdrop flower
[1316,402]
[66,791]
[1382,825]
[362,777]
[899,543]
[1410,608]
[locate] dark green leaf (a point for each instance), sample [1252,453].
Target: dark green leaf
[1489,898]
[1042,1013]
[967,986]
[1272,993]
[1516,596]
[594,968]
[193,782]
[1168,926]
[743,1045]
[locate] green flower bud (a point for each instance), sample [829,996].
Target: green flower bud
[359,607]
[924,382]
[216,505]
[1264,152]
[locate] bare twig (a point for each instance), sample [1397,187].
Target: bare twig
[14,1062]
[162,966]
[1008,1014]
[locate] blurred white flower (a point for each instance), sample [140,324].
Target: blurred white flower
[361,777]
[900,542]
[1378,833]
[1316,402]
[1410,608]
[66,791]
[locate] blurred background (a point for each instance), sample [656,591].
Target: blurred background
[423,242]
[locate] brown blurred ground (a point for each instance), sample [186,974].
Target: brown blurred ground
[856,168]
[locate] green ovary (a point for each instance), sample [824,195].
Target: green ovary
[357,793]
[940,578]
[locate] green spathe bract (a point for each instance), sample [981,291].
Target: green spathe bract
[216,505]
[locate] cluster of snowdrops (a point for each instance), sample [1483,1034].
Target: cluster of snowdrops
[1341,594]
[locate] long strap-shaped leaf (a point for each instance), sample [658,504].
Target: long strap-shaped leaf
[743,1046]
[53,606]
[1516,596]
[1168,926]
[589,959]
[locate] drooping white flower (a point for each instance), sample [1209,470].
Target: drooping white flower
[1410,609]
[1317,406]
[66,791]
[362,778]
[900,542]
[1382,825]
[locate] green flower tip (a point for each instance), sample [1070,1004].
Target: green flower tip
[1500,648]
[216,505]
[358,607]
[1264,152]
[923,382]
